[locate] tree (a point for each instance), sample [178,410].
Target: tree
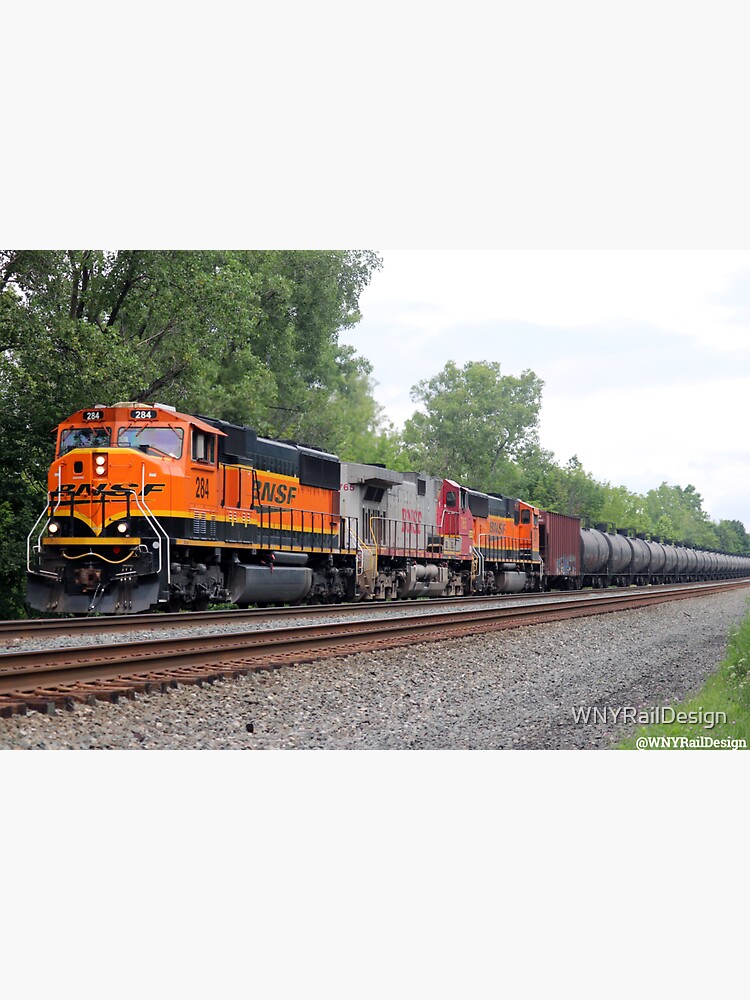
[678,513]
[733,537]
[285,372]
[475,421]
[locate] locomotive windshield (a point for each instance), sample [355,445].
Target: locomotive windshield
[85,437]
[166,441]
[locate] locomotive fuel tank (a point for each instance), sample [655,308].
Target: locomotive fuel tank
[510,582]
[423,581]
[287,580]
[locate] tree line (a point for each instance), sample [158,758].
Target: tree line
[481,427]
[254,337]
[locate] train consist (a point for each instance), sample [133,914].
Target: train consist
[149,508]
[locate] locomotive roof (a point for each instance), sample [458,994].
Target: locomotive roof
[371,475]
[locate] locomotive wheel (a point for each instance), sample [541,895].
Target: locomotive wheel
[174,603]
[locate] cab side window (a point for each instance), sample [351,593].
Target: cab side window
[203,447]
[525,516]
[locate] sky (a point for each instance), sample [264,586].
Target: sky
[644,356]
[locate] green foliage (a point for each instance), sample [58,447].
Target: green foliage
[732,536]
[622,508]
[245,335]
[727,691]
[678,513]
[12,556]
[284,371]
[567,490]
[475,420]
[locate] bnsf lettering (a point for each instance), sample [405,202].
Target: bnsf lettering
[274,493]
[412,520]
[118,490]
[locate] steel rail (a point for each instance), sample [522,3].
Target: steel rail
[35,675]
[41,627]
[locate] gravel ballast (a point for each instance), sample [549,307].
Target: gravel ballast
[512,689]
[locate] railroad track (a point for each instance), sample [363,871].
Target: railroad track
[45,679]
[48,627]
[40,628]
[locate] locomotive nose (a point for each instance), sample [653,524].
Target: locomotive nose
[98,485]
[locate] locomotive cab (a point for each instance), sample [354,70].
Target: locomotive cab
[118,475]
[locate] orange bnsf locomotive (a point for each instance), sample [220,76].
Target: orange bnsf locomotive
[149,508]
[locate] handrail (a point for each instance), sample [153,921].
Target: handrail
[45,513]
[373,536]
[154,522]
[396,531]
[480,559]
[293,516]
[361,544]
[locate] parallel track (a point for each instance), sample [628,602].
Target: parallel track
[43,627]
[43,679]
[40,628]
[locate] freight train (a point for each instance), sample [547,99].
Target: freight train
[149,508]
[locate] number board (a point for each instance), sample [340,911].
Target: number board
[143,414]
[93,415]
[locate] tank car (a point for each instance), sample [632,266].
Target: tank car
[576,555]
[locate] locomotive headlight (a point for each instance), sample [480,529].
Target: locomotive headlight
[53,527]
[100,464]
[123,527]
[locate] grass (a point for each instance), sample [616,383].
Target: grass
[727,691]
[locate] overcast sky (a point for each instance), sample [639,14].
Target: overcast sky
[643,356]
